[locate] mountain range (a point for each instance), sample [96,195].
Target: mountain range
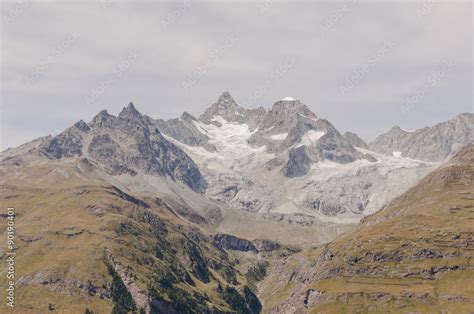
[435,143]
[190,214]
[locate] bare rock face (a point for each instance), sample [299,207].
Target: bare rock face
[230,242]
[69,142]
[184,130]
[298,163]
[291,124]
[435,143]
[334,147]
[126,144]
[227,108]
[355,140]
[106,151]
[266,245]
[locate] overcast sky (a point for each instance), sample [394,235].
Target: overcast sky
[363,65]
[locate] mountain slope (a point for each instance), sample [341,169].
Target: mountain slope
[434,143]
[414,255]
[84,243]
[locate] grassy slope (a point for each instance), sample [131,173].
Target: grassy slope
[415,255]
[65,223]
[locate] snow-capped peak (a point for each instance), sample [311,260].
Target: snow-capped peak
[288,99]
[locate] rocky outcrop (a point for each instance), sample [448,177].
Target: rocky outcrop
[184,130]
[68,143]
[230,242]
[298,162]
[355,140]
[266,245]
[227,108]
[290,124]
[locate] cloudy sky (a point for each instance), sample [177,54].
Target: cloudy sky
[364,65]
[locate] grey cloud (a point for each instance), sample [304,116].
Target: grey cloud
[324,59]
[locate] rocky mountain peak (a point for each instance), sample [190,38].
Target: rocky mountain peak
[225,107]
[101,119]
[287,102]
[225,100]
[81,125]
[293,107]
[187,117]
[466,115]
[397,129]
[286,115]
[129,112]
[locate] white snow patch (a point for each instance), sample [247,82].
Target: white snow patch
[238,114]
[311,137]
[397,154]
[307,117]
[232,148]
[397,162]
[288,99]
[342,168]
[326,164]
[219,119]
[279,137]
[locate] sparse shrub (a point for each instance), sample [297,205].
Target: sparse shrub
[199,265]
[247,304]
[119,309]
[253,303]
[122,298]
[257,272]
[234,299]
